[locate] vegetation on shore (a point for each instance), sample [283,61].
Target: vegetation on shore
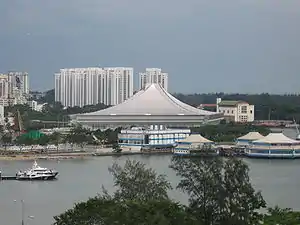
[77,136]
[219,193]
[267,106]
[81,136]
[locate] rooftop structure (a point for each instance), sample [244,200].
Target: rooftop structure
[194,141]
[274,145]
[249,138]
[150,106]
[276,138]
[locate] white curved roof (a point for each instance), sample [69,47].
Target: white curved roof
[154,100]
[196,138]
[276,138]
[251,136]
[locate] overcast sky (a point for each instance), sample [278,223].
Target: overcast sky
[243,46]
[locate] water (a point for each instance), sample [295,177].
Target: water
[279,181]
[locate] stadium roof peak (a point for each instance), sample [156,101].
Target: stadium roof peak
[153,100]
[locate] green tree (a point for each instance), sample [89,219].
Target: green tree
[219,192]
[6,139]
[241,200]
[107,211]
[136,182]
[56,139]
[43,140]
[278,216]
[140,199]
[79,136]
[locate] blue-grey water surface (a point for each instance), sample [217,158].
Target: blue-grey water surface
[279,181]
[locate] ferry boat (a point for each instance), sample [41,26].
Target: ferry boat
[37,173]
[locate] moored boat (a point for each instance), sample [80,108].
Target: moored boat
[37,173]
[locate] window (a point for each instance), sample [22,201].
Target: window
[250,111]
[244,109]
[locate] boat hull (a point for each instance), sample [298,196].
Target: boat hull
[26,178]
[273,156]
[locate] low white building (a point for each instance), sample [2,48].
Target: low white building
[35,106]
[236,111]
[156,136]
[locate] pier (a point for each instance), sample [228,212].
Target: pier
[7,177]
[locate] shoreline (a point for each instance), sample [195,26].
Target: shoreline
[72,155]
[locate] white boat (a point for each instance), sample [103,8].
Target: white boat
[36,173]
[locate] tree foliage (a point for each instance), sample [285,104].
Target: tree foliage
[107,211]
[136,182]
[278,216]
[219,192]
[228,132]
[267,106]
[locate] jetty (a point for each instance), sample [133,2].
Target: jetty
[7,177]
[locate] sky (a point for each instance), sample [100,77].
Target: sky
[245,46]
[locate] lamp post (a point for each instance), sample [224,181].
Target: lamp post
[23,212]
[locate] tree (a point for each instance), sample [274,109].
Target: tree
[79,135]
[116,148]
[43,140]
[107,211]
[242,200]
[201,180]
[55,138]
[136,182]
[140,199]
[219,192]
[277,216]
[6,139]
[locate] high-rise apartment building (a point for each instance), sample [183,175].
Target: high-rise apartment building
[14,88]
[18,83]
[90,86]
[153,75]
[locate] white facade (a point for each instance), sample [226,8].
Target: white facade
[33,105]
[155,136]
[14,88]
[18,81]
[153,76]
[90,86]
[236,111]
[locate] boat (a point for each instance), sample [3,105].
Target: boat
[37,173]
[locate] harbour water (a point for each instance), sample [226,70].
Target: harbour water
[279,181]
